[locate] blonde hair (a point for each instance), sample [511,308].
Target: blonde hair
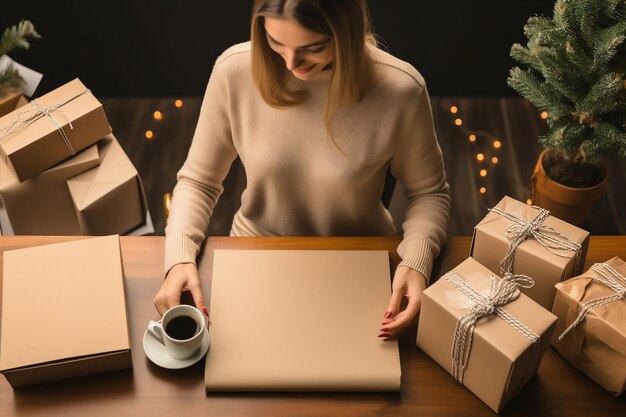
[346,21]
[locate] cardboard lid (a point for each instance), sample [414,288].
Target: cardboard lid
[114,170]
[62,301]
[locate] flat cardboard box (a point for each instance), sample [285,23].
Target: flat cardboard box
[32,150]
[500,356]
[66,334]
[300,320]
[490,245]
[109,198]
[43,205]
[597,345]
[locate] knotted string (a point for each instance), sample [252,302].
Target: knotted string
[501,293]
[548,237]
[25,119]
[608,276]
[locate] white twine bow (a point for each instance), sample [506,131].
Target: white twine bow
[500,293]
[608,276]
[548,237]
[26,118]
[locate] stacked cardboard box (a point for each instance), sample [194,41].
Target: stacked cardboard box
[62,172]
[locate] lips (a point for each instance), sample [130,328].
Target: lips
[303,70]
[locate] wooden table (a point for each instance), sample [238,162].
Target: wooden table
[147,390]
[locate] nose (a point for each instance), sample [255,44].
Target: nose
[292,60]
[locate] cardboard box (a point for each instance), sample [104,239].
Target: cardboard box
[109,198]
[545,266]
[43,205]
[596,345]
[501,358]
[61,331]
[30,149]
[9,101]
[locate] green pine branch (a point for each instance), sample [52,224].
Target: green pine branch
[17,37]
[574,67]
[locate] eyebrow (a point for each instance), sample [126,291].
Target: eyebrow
[319,43]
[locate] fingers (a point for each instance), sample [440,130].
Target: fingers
[198,298]
[180,278]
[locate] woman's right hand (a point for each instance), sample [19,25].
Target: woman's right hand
[181,277]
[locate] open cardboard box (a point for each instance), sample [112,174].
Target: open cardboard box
[53,300]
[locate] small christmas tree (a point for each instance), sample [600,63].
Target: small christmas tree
[12,38]
[576,72]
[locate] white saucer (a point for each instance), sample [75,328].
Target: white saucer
[155,351]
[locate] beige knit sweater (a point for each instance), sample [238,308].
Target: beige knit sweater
[298,182]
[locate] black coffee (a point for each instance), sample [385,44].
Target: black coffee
[181,328]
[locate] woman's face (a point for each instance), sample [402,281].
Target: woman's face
[306,53]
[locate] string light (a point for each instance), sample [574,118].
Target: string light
[472,138]
[157,115]
[483,172]
[178,103]
[497,144]
[149,134]
[529,202]
[480,157]
[494,160]
[454,109]
[544,115]
[458,122]
[483,190]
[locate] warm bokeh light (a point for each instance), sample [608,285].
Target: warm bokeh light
[483,190]
[544,115]
[483,172]
[495,160]
[149,134]
[178,103]
[458,122]
[472,138]
[497,144]
[480,157]
[157,115]
[454,109]
[529,202]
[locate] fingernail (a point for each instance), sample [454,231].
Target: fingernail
[382,335]
[385,323]
[205,311]
[388,314]
[384,330]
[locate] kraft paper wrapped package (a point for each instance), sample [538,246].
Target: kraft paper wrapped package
[43,205]
[53,299]
[51,128]
[520,239]
[591,328]
[109,198]
[482,330]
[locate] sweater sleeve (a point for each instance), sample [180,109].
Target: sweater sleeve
[418,163]
[199,181]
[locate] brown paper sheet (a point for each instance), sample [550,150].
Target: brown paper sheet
[300,321]
[597,346]
[500,356]
[489,247]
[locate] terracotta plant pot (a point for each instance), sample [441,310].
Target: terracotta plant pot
[567,203]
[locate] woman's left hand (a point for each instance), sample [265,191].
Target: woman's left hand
[407,283]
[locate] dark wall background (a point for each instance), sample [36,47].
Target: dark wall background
[167,47]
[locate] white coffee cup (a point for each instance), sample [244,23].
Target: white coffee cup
[181,330]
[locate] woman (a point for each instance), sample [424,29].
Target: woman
[317,114]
